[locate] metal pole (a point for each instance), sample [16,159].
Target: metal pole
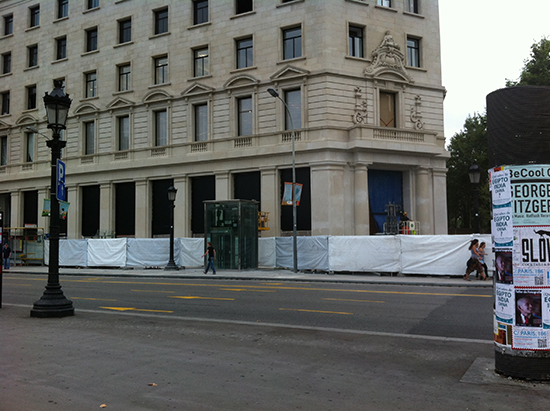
[476,208]
[53,303]
[171,263]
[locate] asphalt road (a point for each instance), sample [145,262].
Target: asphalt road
[435,311]
[156,344]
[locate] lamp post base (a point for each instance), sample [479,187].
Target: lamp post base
[52,304]
[171,266]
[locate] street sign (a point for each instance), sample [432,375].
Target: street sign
[61,192]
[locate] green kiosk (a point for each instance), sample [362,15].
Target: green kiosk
[232,226]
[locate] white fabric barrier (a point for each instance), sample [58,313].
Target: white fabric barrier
[150,252]
[365,253]
[190,253]
[312,253]
[267,254]
[72,253]
[107,252]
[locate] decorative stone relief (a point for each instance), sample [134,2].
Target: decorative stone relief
[360,115]
[388,58]
[416,115]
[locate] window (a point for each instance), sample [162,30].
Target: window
[412,6]
[387,109]
[62,8]
[201,122]
[200,11]
[34,14]
[123,133]
[8,24]
[5,103]
[6,63]
[161,21]
[356,41]
[161,70]
[161,128]
[33,55]
[89,137]
[125,31]
[91,84]
[91,39]
[293,99]
[201,63]
[292,43]
[124,77]
[31,97]
[3,150]
[243,6]
[384,3]
[29,147]
[244,113]
[92,4]
[413,52]
[244,53]
[61,46]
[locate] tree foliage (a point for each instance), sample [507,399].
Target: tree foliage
[536,69]
[468,147]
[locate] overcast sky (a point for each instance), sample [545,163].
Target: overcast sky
[483,43]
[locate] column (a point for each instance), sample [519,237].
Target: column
[327,199]
[16,217]
[424,206]
[361,200]
[143,214]
[223,186]
[440,201]
[182,219]
[269,186]
[106,209]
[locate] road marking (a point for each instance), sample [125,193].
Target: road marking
[21,285]
[91,299]
[151,291]
[314,311]
[192,297]
[242,289]
[135,309]
[359,301]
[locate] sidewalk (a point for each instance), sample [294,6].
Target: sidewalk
[263,275]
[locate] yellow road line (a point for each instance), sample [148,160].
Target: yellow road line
[192,297]
[151,291]
[135,309]
[314,311]
[242,289]
[360,301]
[91,299]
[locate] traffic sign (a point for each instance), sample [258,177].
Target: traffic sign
[61,192]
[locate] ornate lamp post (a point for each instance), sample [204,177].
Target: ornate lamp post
[275,94]
[171,197]
[53,303]
[474,173]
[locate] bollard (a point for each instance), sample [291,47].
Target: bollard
[518,126]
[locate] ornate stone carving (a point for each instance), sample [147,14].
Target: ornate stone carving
[388,58]
[416,115]
[361,114]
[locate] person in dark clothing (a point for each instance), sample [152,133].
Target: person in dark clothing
[210,250]
[6,254]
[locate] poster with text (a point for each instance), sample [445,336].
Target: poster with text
[530,186]
[545,309]
[504,303]
[531,253]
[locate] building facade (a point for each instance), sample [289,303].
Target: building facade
[172,92]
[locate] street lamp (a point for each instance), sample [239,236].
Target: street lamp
[53,303]
[474,173]
[275,94]
[171,197]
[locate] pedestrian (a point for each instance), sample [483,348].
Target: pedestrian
[211,251]
[482,254]
[6,254]
[473,263]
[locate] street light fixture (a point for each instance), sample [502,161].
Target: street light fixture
[53,303]
[275,94]
[172,198]
[475,174]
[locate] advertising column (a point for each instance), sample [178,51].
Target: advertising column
[521,231]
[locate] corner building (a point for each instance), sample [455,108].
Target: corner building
[173,92]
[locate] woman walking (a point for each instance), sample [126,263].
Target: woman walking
[473,263]
[211,257]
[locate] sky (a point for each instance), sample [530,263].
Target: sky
[483,43]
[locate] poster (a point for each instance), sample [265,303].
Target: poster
[530,186]
[504,303]
[287,194]
[531,253]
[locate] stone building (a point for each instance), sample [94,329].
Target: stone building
[174,92]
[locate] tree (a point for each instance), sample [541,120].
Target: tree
[467,147]
[536,70]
